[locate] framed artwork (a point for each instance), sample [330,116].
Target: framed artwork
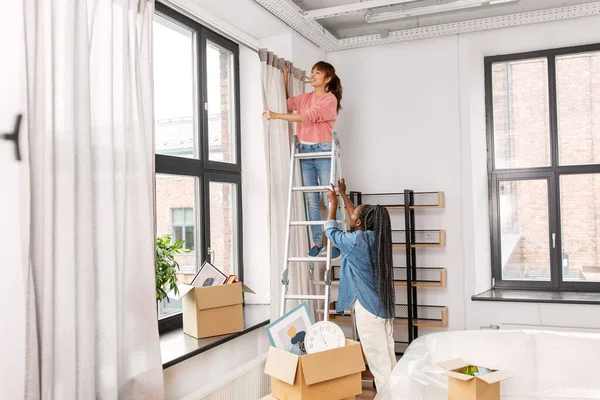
[208,275]
[288,331]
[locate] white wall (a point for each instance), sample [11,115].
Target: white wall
[281,45]
[305,54]
[206,370]
[12,220]
[245,19]
[414,117]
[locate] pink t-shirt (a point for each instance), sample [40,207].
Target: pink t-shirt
[318,116]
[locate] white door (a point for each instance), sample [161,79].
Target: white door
[12,103]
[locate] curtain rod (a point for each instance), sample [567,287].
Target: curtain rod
[208,24]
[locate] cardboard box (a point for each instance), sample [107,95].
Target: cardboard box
[332,374]
[467,387]
[213,311]
[269,397]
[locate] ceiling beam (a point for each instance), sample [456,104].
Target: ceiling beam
[329,12]
[433,9]
[291,14]
[475,25]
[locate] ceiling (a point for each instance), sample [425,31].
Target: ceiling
[435,18]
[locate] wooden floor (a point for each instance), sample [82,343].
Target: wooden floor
[368,392]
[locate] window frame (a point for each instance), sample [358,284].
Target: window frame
[202,168]
[552,173]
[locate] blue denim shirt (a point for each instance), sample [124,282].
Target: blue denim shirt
[356,279]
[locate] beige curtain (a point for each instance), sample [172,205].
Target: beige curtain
[278,138]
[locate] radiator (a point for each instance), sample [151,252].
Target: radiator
[247,382]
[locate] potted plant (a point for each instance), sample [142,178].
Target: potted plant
[166,266]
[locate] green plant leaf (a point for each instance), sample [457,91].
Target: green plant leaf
[166,266]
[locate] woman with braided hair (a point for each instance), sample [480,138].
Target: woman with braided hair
[367,279]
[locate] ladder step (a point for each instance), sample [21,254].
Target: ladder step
[305,297]
[307,259]
[325,154]
[309,223]
[322,283]
[310,189]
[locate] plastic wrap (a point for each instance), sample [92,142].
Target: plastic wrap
[543,364]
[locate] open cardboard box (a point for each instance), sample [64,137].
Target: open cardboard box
[332,374]
[269,397]
[212,311]
[467,387]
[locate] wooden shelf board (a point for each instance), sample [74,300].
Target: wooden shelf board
[424,323]
[398,284]
[429,284]
[441,244]
[424,284]
[413,207]
[419,246]
[337,283]
[443,277]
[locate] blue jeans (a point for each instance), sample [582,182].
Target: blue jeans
[316,172]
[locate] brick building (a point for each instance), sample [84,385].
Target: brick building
[522,140]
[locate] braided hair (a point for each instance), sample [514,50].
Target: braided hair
[377,219]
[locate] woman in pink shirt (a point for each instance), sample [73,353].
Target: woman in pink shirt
[316,113]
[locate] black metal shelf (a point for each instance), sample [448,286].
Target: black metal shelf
[396,200]
[425,277]
[424,316]
[413,315]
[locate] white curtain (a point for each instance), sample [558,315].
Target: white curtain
[278,136]
[92,320]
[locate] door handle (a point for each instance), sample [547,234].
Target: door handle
[211,256]
[14,136]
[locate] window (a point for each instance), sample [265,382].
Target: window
[182,227]
[197,147]
[543,122]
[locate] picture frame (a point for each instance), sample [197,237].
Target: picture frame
[288,331]
[208,276]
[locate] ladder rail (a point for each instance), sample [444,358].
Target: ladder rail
[343,216]
[332,175]
[285,272]
[335,171]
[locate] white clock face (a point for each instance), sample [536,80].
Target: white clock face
[324,335]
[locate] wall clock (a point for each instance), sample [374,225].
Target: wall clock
[324,335]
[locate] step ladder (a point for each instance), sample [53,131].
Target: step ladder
[336,171]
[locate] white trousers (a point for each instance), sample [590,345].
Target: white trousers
[376,338]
